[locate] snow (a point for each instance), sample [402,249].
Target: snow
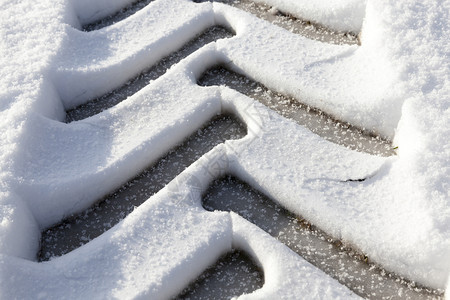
[448,289]
[342,15]
[395,84]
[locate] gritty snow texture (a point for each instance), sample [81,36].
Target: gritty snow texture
[395,84]
[342,15]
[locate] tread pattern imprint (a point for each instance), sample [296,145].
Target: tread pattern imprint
[121,129]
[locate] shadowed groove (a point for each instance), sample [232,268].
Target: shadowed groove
[79,229]
[315,120]
[118,16]
[232,275]
[349,267]
[305,28]
[116,96]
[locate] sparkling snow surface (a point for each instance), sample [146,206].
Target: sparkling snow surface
[119,124]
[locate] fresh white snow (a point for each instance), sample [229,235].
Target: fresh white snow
[395,84]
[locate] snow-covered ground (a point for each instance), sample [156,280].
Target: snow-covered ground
[395,84]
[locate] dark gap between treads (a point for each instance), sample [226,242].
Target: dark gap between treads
[118,16]
[234,274]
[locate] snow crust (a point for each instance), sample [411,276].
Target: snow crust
[396,84]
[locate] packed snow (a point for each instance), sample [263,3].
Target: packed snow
[395,84]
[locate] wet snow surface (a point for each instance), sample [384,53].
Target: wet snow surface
[216,149]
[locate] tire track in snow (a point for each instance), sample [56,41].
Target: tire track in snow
[79,229]
[318,122]
[264,12]
[349,267]
[302,27]
[114,97]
